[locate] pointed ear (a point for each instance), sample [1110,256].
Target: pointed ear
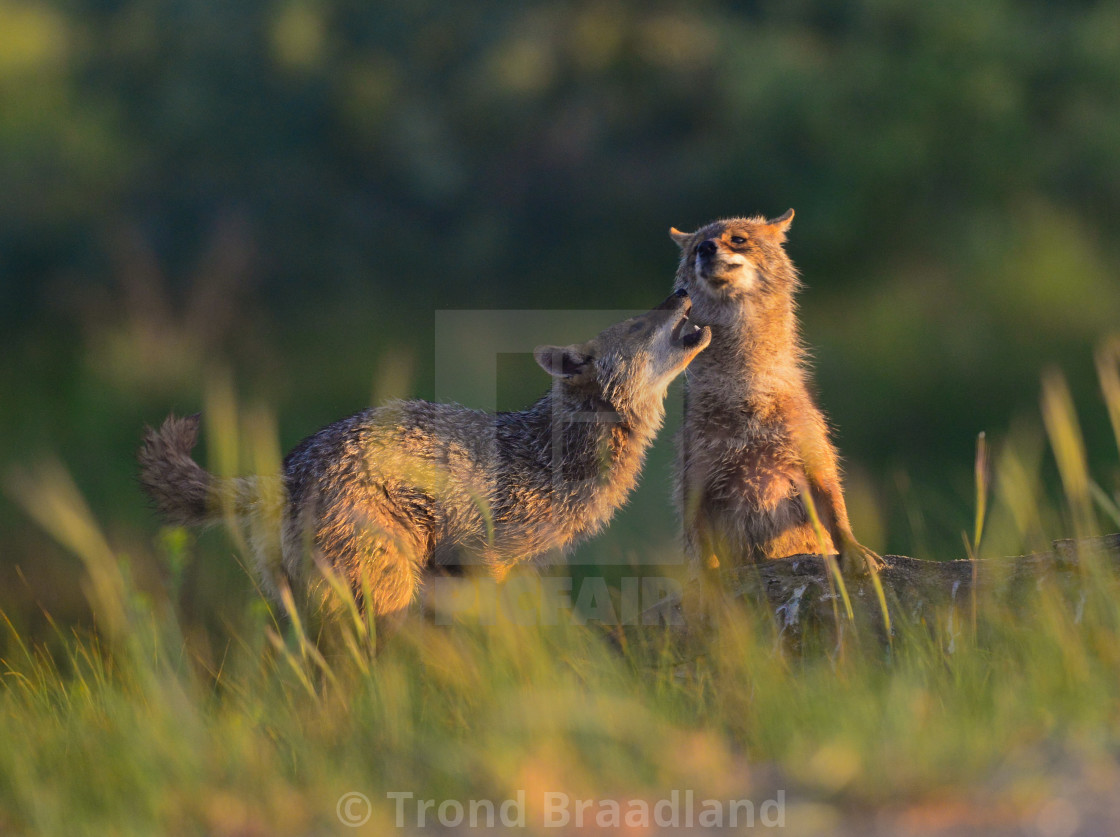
[777,227]
[561,361]
[680,237]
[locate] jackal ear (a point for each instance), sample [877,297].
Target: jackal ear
[561,361]
[777,227]
[680,237]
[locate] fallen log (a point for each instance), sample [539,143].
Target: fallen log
[802,593]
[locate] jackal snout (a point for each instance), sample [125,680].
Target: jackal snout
[674,301]
[674,311]
[725,259]
[646,351]
[730,257]
[661,343]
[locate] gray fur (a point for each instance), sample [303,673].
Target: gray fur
[388,493]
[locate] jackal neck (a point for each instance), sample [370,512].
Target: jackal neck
[595,444]
[753,362]
[604,413]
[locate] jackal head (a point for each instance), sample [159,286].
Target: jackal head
[632,362]
[736,261]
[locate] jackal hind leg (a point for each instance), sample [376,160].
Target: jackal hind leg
[372,575]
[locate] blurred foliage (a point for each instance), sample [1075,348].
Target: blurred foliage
[291,189]
[994,719]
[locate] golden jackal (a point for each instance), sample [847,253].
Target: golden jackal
[753,443]
[380,497]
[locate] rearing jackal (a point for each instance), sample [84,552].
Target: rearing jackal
[754,446]
[383,495]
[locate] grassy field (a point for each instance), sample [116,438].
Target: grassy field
[174,718]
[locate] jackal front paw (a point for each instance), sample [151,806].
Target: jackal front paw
[856,560]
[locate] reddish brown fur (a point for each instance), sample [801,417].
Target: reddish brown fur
[754,444]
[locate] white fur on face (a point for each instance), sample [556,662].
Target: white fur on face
[736,268]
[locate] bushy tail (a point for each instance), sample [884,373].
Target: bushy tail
[181,489]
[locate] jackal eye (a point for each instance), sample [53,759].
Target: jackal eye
[738,239]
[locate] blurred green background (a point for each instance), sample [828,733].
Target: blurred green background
[288,191]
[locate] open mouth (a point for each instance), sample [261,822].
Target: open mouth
[687,334]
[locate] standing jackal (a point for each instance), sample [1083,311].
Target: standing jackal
[379,497]
[754,447]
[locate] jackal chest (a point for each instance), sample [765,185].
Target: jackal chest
[760,473]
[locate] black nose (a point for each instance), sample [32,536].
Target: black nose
[707,249]
[680,292]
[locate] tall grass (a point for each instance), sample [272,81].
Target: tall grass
[131,729]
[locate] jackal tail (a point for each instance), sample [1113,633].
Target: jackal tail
[184,492]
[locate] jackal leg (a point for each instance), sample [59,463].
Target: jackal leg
[368,568]
[855,558]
